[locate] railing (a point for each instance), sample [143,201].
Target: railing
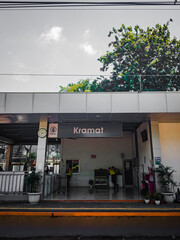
[11,182]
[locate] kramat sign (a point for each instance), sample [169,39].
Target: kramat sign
[80,130]
[53,130]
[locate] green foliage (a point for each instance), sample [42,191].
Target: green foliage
[166,177]
[147,196]
[33,180]
[32,155]
[80,86]
[158,196]
[142,57]
[141,60]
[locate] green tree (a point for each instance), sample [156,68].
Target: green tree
[142,60]
[80,86]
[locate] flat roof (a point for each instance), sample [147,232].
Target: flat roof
[20,112]
[109,102]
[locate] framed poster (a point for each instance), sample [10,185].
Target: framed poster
[74,164]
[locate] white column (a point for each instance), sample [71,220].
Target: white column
[41,149]
[156,148]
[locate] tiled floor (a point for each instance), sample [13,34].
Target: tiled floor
[84,193]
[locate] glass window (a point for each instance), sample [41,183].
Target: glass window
[24,157]
[3,156]
[74,164]
[53,158]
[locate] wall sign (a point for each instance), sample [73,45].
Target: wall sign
[89,130]
[157,160]
[53,130]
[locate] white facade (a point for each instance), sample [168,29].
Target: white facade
[170,147]
[156,112]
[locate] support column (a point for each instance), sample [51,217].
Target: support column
[156,149]
[8,157]
[41,149]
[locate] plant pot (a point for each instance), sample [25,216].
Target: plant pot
[168,197]
[157,202]
[146,201]
[34,197]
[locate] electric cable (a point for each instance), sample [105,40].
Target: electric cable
[80,75]
[59,4]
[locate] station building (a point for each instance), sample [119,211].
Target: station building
[90,132]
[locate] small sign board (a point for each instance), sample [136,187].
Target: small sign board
[53,130]
[157,160]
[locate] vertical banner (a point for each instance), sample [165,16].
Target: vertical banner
[53,130]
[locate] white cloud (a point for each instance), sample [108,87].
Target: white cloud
[87,33]
[54,34]
[88,49]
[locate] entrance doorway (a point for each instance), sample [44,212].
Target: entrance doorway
[128,173]
[86,156]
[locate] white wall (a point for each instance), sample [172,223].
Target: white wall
[170,146]
[144,149]
[107,150]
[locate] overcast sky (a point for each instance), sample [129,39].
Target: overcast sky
[64,42]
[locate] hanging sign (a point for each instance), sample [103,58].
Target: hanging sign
[53,130]
[70,130]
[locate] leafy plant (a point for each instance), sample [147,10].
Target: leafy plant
[147,196]
[33,180]
[91,182]
[157,196]
[166,177]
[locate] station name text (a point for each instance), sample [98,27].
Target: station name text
[78,130]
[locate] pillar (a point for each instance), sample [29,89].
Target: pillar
[41,149]
[156,149]
[8,156]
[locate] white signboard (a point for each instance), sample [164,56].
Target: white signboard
[53,130]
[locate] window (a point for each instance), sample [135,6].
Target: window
[53,158]
[74,164]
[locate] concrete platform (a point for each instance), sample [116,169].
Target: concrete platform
[89,218]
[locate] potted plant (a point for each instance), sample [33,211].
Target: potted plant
[151,198]
[33,181]
[147,198]
[91,183]
[167,182]
[157,198]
